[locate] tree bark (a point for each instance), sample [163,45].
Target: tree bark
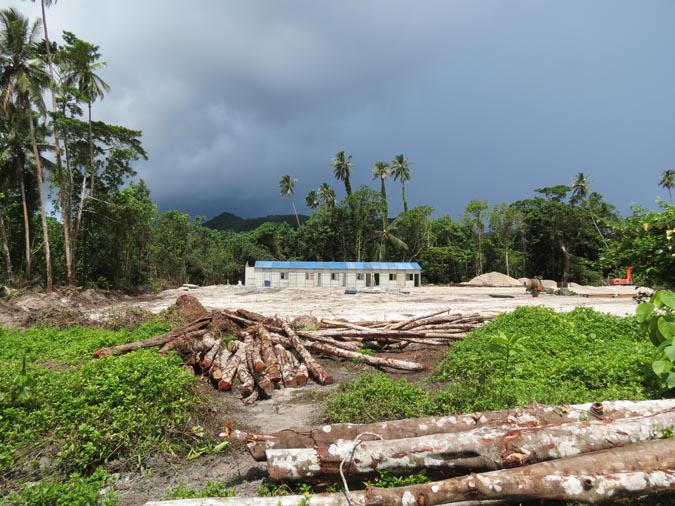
[479,449]
[154,341]
[634,470]
[315,369]
[534,416]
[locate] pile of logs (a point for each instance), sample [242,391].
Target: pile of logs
[258,355]
[589,453]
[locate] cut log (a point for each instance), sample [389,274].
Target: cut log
[253,358]
[215,349]
[287,368]
[272,365]
[533,416]
[316,370]
[630,471]
[247,384]
[236,356]
[392,363]
[153,341]
[403,323]
[480,449]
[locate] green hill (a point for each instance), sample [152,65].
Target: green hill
[229,221]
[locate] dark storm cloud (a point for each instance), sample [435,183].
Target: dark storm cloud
[489,99]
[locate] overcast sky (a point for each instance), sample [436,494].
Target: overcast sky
[489,99]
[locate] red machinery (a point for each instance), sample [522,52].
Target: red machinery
[628,280]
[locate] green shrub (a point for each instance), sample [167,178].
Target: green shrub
[212,489]
[378,397]
[573,357]
[87,412]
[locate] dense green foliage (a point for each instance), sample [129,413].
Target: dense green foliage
[580,356]
[80,413]
[377,397]
[657,322]
[530,354]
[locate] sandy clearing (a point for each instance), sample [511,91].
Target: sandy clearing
[393,305]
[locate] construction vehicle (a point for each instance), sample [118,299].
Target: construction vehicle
[533,287]
[628,280]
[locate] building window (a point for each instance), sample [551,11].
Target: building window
[360,276]
[409,277]
[284,275]
[309,275]
[392,276]
[334,276]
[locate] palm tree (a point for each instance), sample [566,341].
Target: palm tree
[286,186]
[400,169]
[581,188]
[386,235]
[327,195]
[23,79]
[312,199]
[668,182]
[80,64]
[342,169]
[382,170]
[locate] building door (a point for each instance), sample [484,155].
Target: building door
[369,279]
[417,280]
[376,276]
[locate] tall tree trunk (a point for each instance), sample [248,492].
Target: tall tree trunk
[91,155]
[5,253]
[296,213]
[405,201]
[595,223]
[566,255]
[26,221]
[43,207]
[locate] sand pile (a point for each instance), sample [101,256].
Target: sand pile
[495,279]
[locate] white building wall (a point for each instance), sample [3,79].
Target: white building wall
[324,279]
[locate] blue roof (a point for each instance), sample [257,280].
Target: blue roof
[336,266]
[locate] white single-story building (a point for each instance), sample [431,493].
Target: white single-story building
[386,275]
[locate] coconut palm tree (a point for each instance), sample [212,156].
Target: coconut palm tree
[382,170]
[581,188]
[327,195]
[79,63]
[23,78]
[342,169]
[668,182]
[400,169]
[312,199]
[286,187]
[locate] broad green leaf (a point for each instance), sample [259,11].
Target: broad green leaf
[661,367]
[664,298]
[670,382]
[644,311]
[666,328]
[670,352]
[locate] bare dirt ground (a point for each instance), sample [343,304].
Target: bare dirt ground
[290,407]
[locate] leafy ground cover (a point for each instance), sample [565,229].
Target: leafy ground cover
[529,354]
[63,415]
[69,423]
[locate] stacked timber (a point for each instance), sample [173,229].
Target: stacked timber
[258,355]
[591,453]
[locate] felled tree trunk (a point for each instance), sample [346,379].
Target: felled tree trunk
[629,471]
[479,449]
[315,369]
[160,340]
[533,416]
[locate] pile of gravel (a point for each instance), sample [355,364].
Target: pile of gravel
[495,279]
